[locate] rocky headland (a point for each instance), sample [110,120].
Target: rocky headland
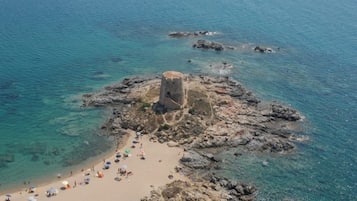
[218,114]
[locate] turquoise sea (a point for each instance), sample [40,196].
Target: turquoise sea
[53,51]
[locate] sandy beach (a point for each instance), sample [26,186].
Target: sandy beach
[144,175]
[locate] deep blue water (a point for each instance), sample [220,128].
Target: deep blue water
[53,51]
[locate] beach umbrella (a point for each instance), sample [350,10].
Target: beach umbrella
[123,168]
[31,198]
[65,183]
[127,151]
[52,191]
[108,163]
[8,195]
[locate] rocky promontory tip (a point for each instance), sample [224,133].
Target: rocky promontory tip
[204,115]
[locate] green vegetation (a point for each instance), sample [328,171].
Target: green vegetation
[164,127]
[144,106]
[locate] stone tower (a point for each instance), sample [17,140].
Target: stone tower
[172,91]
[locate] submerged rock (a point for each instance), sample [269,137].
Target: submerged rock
[7,158]
[116,59]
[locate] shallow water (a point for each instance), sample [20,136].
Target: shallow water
[51,52]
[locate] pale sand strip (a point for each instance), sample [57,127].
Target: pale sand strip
[152,172]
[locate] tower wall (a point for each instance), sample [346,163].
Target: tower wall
[172,90]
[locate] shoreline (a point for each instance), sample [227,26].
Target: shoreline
[51,178]
[137,185]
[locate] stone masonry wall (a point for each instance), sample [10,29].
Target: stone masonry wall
[172,90]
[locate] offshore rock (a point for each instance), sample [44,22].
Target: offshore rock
[191,34]
[205,44]
[263,49]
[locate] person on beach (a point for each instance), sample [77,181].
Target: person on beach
[129,174]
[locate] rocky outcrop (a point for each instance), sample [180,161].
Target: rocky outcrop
[220,114]
[116,94]
[236,191]
[263,49]
[183,190]
[285,113]
[191,34]
[193,159]
[229,117]
[205,44]
[216,190]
